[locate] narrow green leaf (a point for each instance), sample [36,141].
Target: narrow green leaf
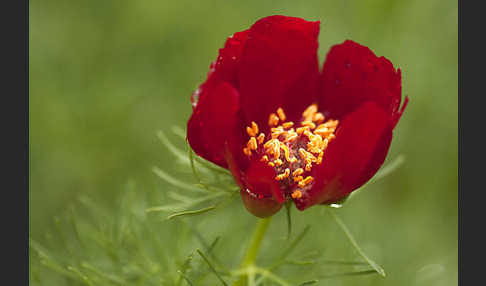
[100,273]
[171,180]
[211,267]
[174,150]
[185,265]
[389,168]
[355,273]
[211,166]
[192,212]
[346,231]
[81,275]
[290,248]
[184,276]
[308,283]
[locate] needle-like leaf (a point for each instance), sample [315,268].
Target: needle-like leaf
[351,239]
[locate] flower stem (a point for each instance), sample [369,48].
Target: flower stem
[252,250]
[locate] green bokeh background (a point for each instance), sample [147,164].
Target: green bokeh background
[106,75]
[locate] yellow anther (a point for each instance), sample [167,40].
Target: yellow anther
[250,131]
[319,158]
[277,131]
[281,114]
[271,164]
[298,172]
[270,143]
[286,151]
[309,124]
[300,130]
[247,151]
[308,166]
[302,153]
[323,131]
[261,138]
[298,179]
[253,130]
[273,120]
[309,112]
[288,124]
[264,159]
[284,175]
[318,117]
[278,162]
[297,194]
[306,181]
[331,123]
[252,144]
[254,126]
[306,155]
[291,136]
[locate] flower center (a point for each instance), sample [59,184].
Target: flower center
[292,149]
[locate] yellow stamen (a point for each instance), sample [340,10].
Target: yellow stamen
[298,179]
[261,138]
[253,130]
[252,143]
[286,151]
[290,136]
[250,132]
[247,151]
[309,124]
[288,124]
[297,194]
[273,120]
[254,126]
[300,130]
[313,132]
[298,172]
[284,175]
[308,166]
[309,112]
[319,158]
[318,117]
[306,181]
[281,114]
[277,132]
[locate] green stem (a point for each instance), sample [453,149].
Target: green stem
[252,250]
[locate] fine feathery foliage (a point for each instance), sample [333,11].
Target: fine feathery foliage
[93,244]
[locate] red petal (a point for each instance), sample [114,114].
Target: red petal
[212,121]
[279,68]
[362,141]
[260,192]
[352,75]
[224,68]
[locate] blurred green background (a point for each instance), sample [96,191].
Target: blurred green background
[106,75]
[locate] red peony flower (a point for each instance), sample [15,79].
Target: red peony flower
[287,131]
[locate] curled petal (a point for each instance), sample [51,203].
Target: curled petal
[352,75]
[211,123]
[279,68]
[361,144]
